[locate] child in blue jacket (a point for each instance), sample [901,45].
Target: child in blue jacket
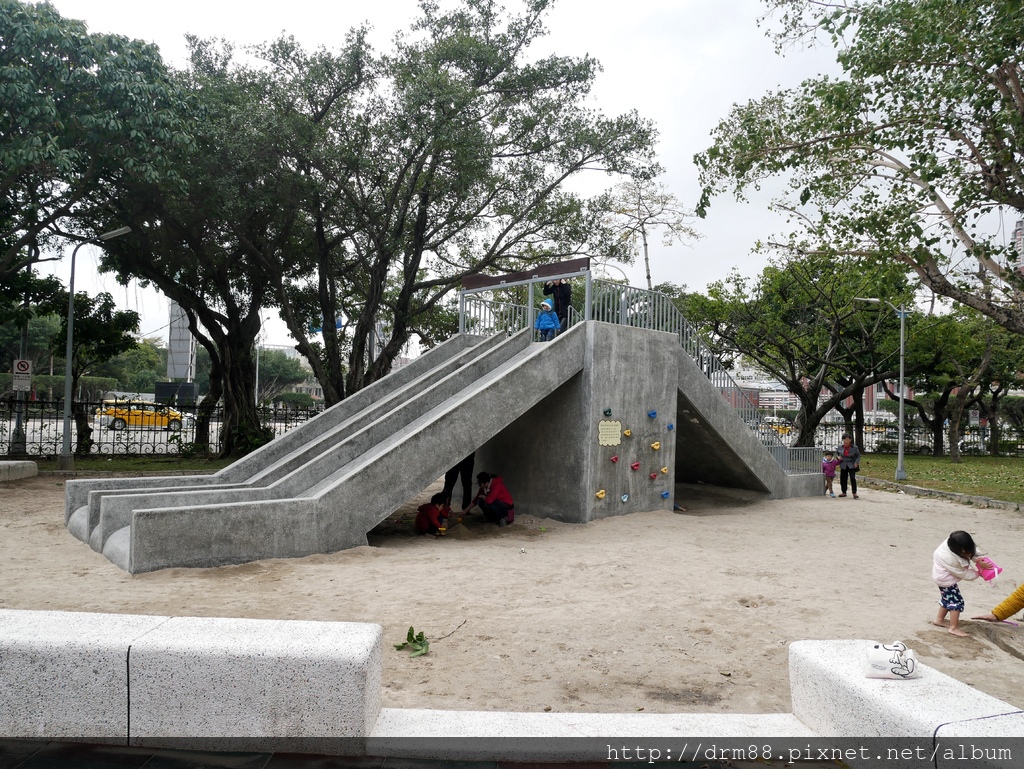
[547,322]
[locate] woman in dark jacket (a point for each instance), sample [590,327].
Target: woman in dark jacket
[849,464]
[561,293]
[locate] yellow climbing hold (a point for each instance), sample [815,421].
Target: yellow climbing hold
[600,494]
[664,471]
[627,433]
[656,445]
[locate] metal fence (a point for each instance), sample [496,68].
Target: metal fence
[36,428]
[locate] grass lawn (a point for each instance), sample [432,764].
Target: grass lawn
[995,477]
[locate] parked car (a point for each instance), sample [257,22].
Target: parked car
[119,415]
[889,442]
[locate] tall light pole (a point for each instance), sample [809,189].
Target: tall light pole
[66,460]
[901,474]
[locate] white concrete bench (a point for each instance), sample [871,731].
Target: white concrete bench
[146,678]
[12,470]
[832,696]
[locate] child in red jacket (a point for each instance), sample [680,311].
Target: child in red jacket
[432,517]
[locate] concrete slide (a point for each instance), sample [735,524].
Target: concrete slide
[338,476]
[538,413]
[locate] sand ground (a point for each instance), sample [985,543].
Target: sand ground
[657,612]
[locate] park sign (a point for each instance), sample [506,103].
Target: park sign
[21,375]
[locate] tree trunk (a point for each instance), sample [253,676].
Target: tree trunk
[83,430]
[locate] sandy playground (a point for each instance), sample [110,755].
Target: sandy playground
[656,612]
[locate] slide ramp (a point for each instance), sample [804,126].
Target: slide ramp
[286,454]
[332,500]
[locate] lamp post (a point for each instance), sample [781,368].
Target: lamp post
[901,474]
[66,460]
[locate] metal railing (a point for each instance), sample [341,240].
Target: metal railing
[42,430]
[611,302]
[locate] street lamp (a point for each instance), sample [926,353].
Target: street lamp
[901,474]
[66,460]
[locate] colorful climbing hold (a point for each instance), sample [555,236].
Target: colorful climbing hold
[656,445]
[607,412]
[627,433]
[652,476]
[615,458]
[664,471]
[670,426]
[664,495]
[601,494]
[635,465]
[624,497]
[652,414]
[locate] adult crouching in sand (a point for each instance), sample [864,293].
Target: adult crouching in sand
[494,500]
[1013,603]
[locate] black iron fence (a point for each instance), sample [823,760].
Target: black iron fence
[126,428]
[884,439]
[123,428]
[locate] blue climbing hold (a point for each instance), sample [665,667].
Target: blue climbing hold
[624,497]
[664,495]
[652,414]
[671,426]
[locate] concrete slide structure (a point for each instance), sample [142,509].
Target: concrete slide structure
[548,417]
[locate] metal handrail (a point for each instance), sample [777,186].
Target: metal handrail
[611,302]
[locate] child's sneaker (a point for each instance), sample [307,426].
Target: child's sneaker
[832,494]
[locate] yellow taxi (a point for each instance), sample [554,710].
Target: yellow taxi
[119,415]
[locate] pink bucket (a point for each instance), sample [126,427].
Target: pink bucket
[989,574]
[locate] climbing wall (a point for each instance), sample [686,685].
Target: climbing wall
[602,444]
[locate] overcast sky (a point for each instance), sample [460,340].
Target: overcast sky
[681,63]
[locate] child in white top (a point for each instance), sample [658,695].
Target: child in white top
[955,558]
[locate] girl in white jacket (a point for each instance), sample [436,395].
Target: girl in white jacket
[954,559]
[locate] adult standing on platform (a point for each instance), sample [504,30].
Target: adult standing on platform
[561,292]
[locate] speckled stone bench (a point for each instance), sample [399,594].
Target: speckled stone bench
[12,470]
[69,674]
[832,695]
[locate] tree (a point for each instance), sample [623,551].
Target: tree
[798,322]
[637,208]
[458,161]
[219,246]
[901,158]
[277,372]
[1004,374]
[959,346]
[80,112]
[137,368]
[101,331]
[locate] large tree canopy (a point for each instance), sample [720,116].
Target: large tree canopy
[355,191]
[458,161]
[78,112]
[800,322]
[903,156]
